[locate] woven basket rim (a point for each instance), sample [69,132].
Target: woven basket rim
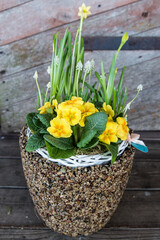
[81,160]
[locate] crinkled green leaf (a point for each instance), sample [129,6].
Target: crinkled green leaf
[43,131]
[57,153]
[92,143]
[45,118]
[38,123]
[35,141]
[86,137]
[96,121]
[61,143]
[30,123]
[94,126]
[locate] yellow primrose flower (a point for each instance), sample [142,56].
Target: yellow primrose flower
[87,110]
[59,113]
[77,100]
[59,128]
[54,104]
[122,129]
[108,109]
[72,115]
[74,102]
[44,108]
[84,11]
[109,134]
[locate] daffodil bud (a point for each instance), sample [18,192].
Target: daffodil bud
[124,38]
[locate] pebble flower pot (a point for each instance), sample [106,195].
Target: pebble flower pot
[75,201]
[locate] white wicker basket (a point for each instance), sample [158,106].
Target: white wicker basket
[81,160]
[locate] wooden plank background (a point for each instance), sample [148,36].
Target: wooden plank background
[26,46]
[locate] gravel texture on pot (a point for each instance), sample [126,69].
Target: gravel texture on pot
[75,201]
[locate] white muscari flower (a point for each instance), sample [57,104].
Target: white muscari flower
[92,64]
[35,76]
[79,66]
[140,87]
[88,67]
[49,70]
[49,85]
[101,76]
[128,107]
[56,60]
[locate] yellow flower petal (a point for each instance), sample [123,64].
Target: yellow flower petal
[74,102]
[59,128]
[109,134]
[121,121]
[54,104]
[122,129]
[44,108]
[87,109]
[108,109]
[72,115]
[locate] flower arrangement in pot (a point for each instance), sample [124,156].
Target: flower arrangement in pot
[77,149]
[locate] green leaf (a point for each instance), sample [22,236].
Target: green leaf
[45,118]
[111,78]
[91,144]
[61,143]
[96,121]
[30,123]
[95,125]
[43,131]
[35,141]
[113,148]
[57,153]
[86,137]
[38,123]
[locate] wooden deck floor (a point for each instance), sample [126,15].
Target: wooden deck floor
[137,216]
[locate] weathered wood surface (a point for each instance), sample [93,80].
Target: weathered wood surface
[140,68]
[141,16]
[4,4]
[137,216]
[110,234]
[26,46]
[25,20]
[136,209]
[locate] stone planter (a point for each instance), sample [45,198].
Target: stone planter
[75,201]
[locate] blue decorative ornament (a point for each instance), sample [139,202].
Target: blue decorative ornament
[140,147]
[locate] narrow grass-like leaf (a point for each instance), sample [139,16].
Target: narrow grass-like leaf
[110,84]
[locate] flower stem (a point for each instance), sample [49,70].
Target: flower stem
[75,133]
